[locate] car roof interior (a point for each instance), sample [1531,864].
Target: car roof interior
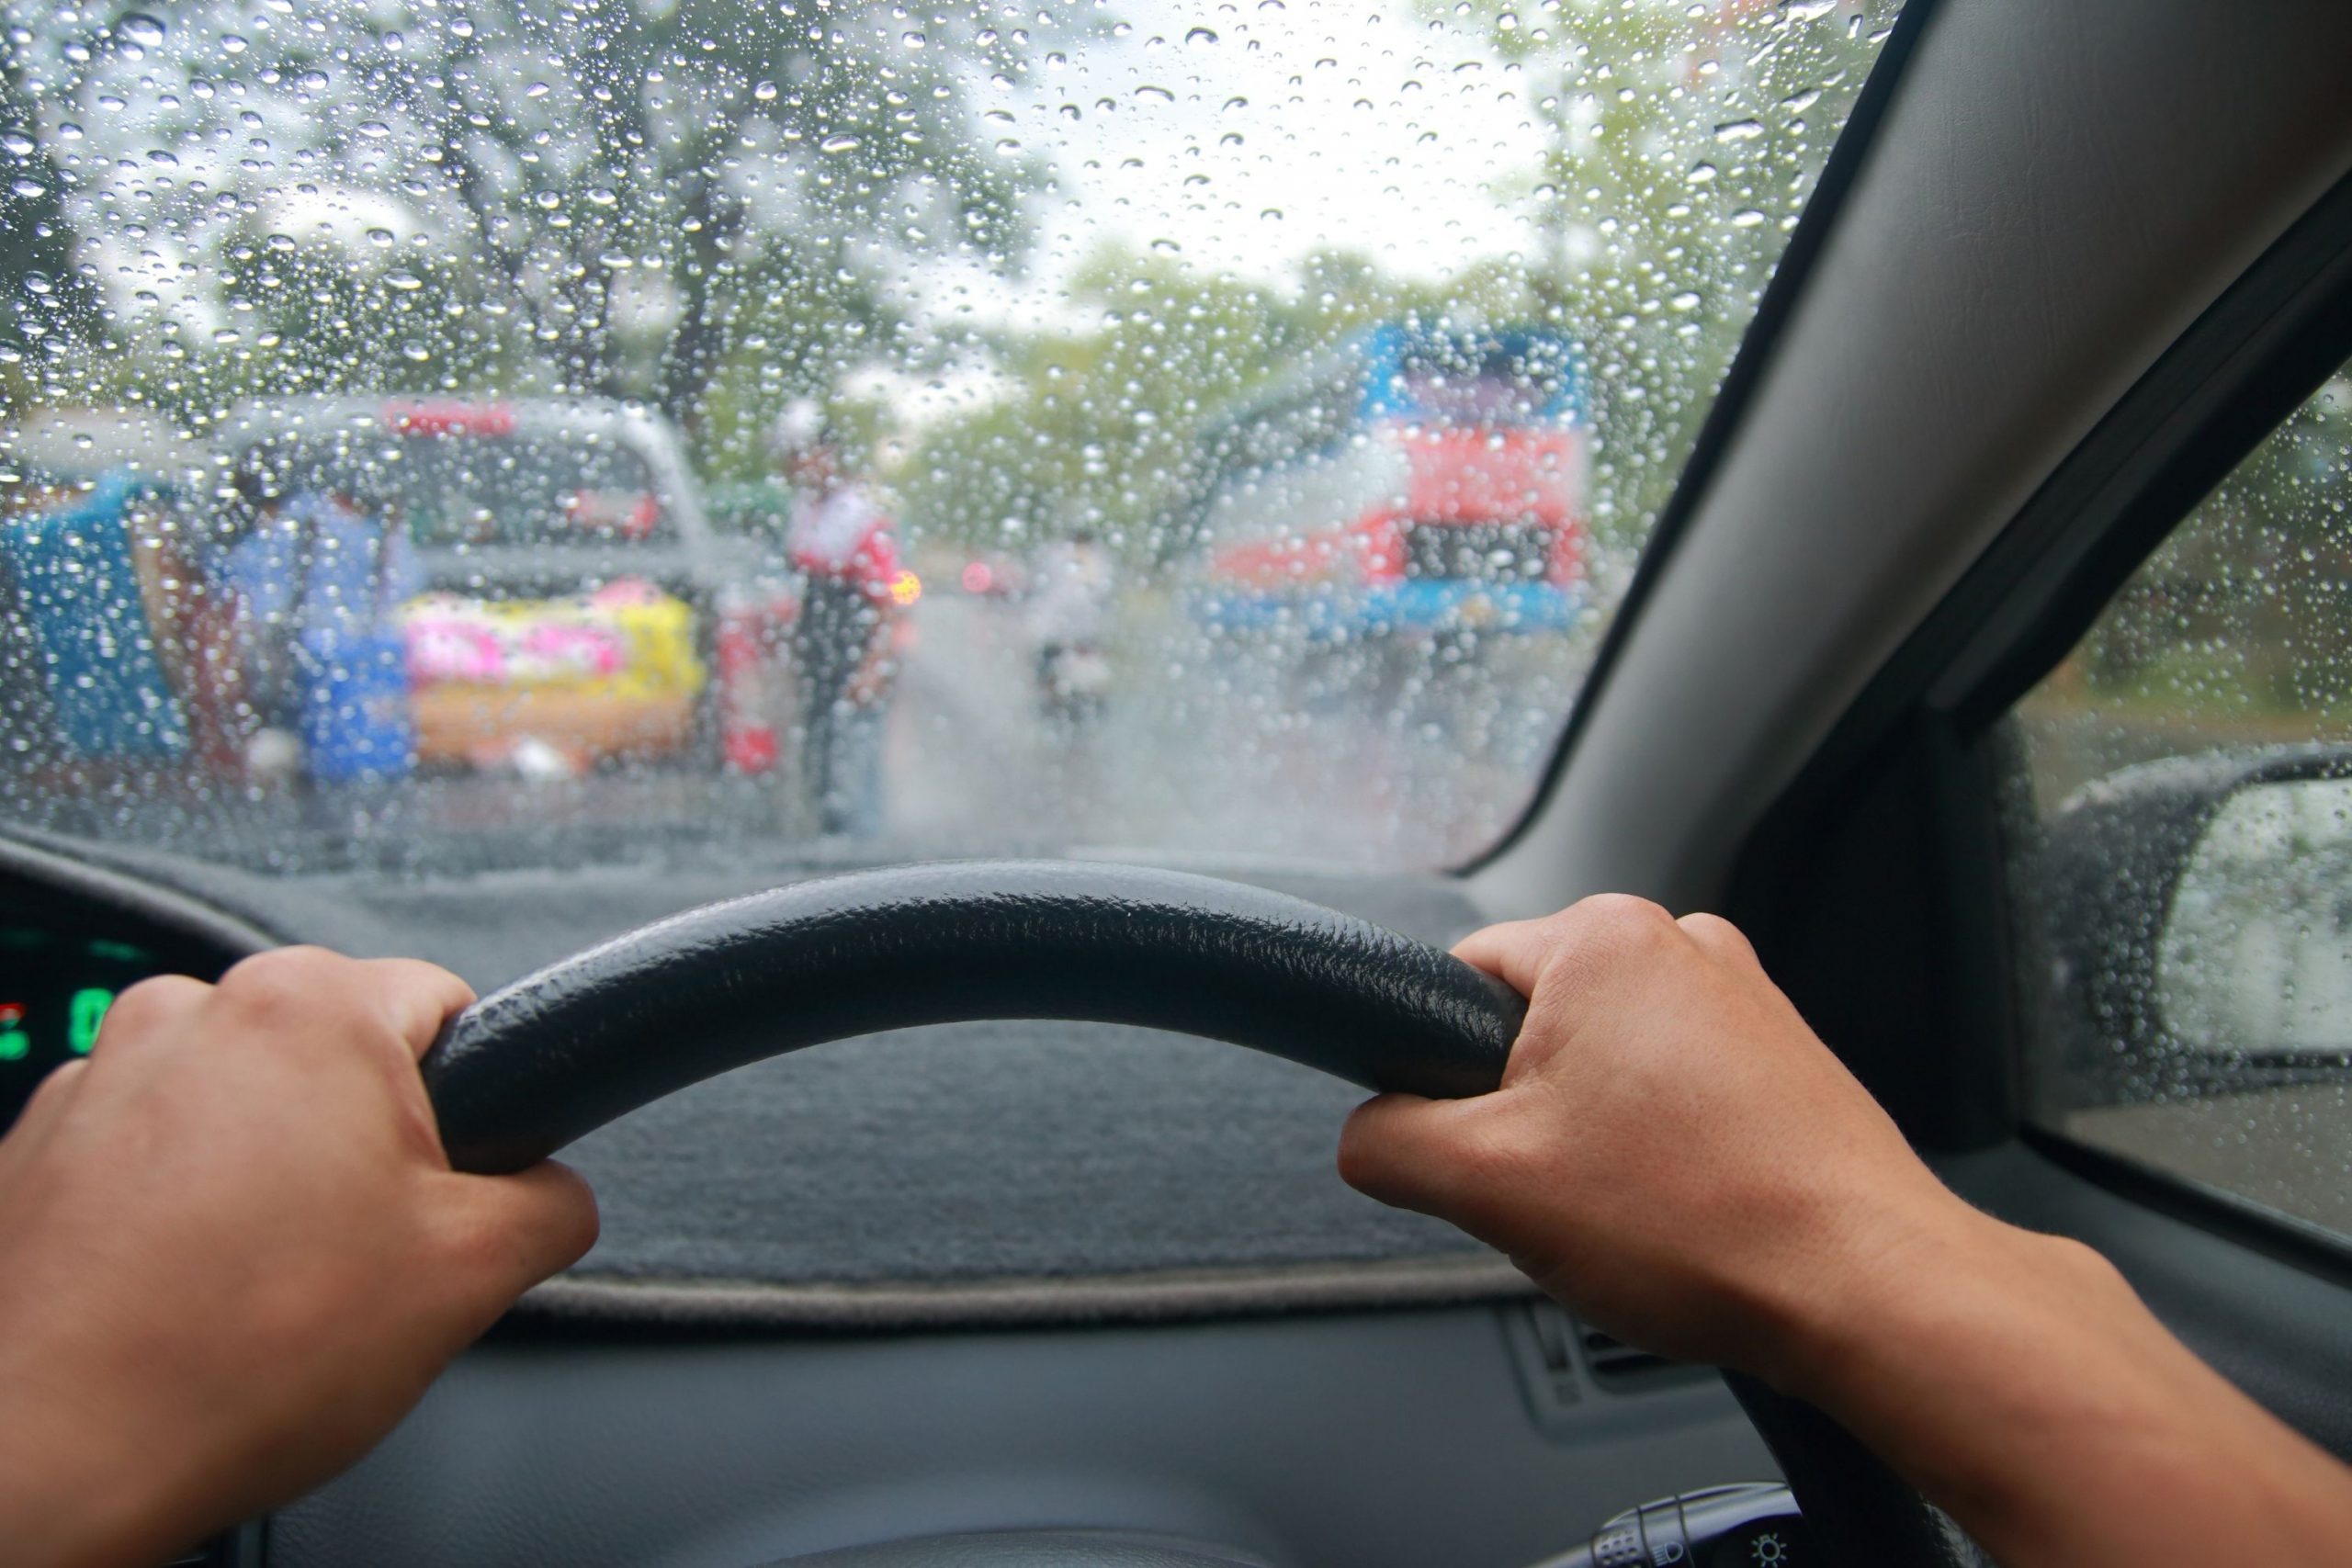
[2056,247]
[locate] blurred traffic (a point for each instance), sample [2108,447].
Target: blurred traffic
[467,615]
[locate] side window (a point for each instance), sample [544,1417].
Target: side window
[2185,862]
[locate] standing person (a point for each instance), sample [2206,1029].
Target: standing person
[318,574]
[842,543]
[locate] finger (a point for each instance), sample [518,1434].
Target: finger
[1411,1153]
[52,1097]
[522,1228]
[1513,952]
[416,998]
[1722,941]
[157,1008]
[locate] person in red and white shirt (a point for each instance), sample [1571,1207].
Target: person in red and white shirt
[844,546]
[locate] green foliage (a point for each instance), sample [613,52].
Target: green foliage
[1681,142]
[47,297]
[654,198]
[2246,609]
[719,206]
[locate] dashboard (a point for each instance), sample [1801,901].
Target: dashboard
[73,938]
[55,987]
[1488,1433]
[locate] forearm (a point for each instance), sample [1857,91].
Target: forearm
[68,1499]
[2019,1383]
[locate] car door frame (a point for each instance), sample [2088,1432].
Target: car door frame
[1878,885]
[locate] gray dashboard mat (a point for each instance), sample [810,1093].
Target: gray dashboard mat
[980,1172]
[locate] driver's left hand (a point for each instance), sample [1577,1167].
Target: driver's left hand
[233,1255]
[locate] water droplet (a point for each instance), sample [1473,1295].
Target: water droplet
[310,82]
[406,282]
[764,92]
[1163,94]
[140,28]
[231,44]
[1739,131]
[374,130]
[1686,301]
[1701,173]
[912,40]
[1201,35]
[1747,217]
[536,90]
[838,143]
[18,146]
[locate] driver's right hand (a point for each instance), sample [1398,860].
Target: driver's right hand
[1673,1153]
[1675,1156]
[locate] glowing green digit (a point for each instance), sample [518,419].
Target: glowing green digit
[82,1016]
[14,1046]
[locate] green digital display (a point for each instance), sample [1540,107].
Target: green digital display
[82,1016]
[55,990]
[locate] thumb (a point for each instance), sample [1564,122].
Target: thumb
[1412,1153]
[536,1222]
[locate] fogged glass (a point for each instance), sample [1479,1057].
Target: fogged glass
[2189,878]
[435,436]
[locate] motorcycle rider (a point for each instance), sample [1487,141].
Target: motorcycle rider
[1068,612]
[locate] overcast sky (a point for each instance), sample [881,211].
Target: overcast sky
[1243,137]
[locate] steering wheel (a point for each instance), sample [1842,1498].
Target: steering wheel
[559,1053]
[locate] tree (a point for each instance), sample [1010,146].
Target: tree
[1681,142]
[1101,429]
[630,197]
[50,299]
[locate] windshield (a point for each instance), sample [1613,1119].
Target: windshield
[542,490]
[444,437]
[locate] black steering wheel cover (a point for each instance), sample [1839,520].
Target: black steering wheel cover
[562,1052]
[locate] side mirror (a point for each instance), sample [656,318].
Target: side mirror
[2199,916]
[2256,956]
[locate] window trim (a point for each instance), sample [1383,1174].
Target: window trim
[2287,1238]
[2249,361]
[1935,707]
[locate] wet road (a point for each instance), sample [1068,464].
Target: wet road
[1354,757]
[1383,756]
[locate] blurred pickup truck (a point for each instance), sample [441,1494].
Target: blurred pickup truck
[575,598]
